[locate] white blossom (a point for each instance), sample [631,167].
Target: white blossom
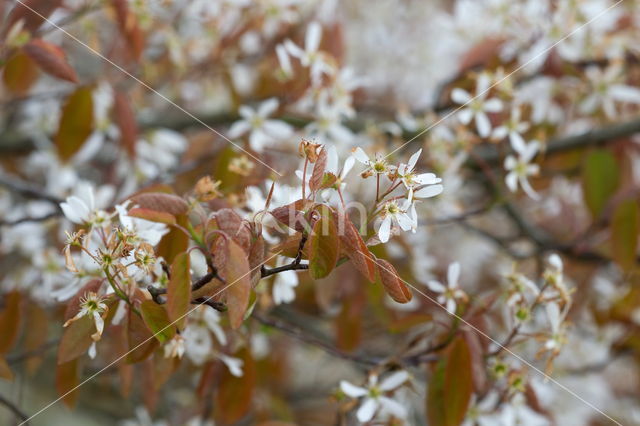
[477,106]
[373,397]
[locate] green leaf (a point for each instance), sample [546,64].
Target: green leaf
[324,245]
[600,178]
[450,386]
[238,282]
[76,339]
[624,234]
[76,123]
[157,319]
[179,290]
[19,73]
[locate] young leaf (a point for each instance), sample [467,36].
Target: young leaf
[392,283]
[139,339]
[624,234]
[24,11]
[128,23]
[324,245]
[76,339]
[5,370]
[600,177]
[76,123]
[51,59]
[451,385]
[318,170]
[67,378]
[152,215]
[125,118]
[355,248]
[161,202]
[10,320]
[235,394]
[238,282]
[179,290]
[157,320]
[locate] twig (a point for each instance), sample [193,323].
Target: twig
[14,409]
[29,191]
[20,357]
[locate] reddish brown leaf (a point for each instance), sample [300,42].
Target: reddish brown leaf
[125,118]
[348,325]
[5,370]
[35,335]
[25,11]
[179,290]
[68,378]
[128,23]
[392,283]
[76,123]
[238,282]
[51,59]
[141,343]
[235,227]
[161,202]
[19,73]
[76,339]
[256,258]
[152,215]
[175,241]
[9,320]
[235,394]
[451,386]
[318,170]
[355,248]
[477,353]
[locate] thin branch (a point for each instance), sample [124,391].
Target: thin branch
[289,267]
[14,409]
[27,190]
[23,356]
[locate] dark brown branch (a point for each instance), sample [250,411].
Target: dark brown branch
[14,409]
[27,190]
[289,267]
[23,356]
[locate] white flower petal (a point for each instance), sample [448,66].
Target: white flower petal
[385,229]
[429,191]
[436,286]
[238,129]
[360,155]
[453,274]
[394,380]
[268,107]
[312,38]
[483,125]
[367,410]
[393,407]
[352,390]
[460,96]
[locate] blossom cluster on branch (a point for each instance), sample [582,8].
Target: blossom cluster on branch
[309,212]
